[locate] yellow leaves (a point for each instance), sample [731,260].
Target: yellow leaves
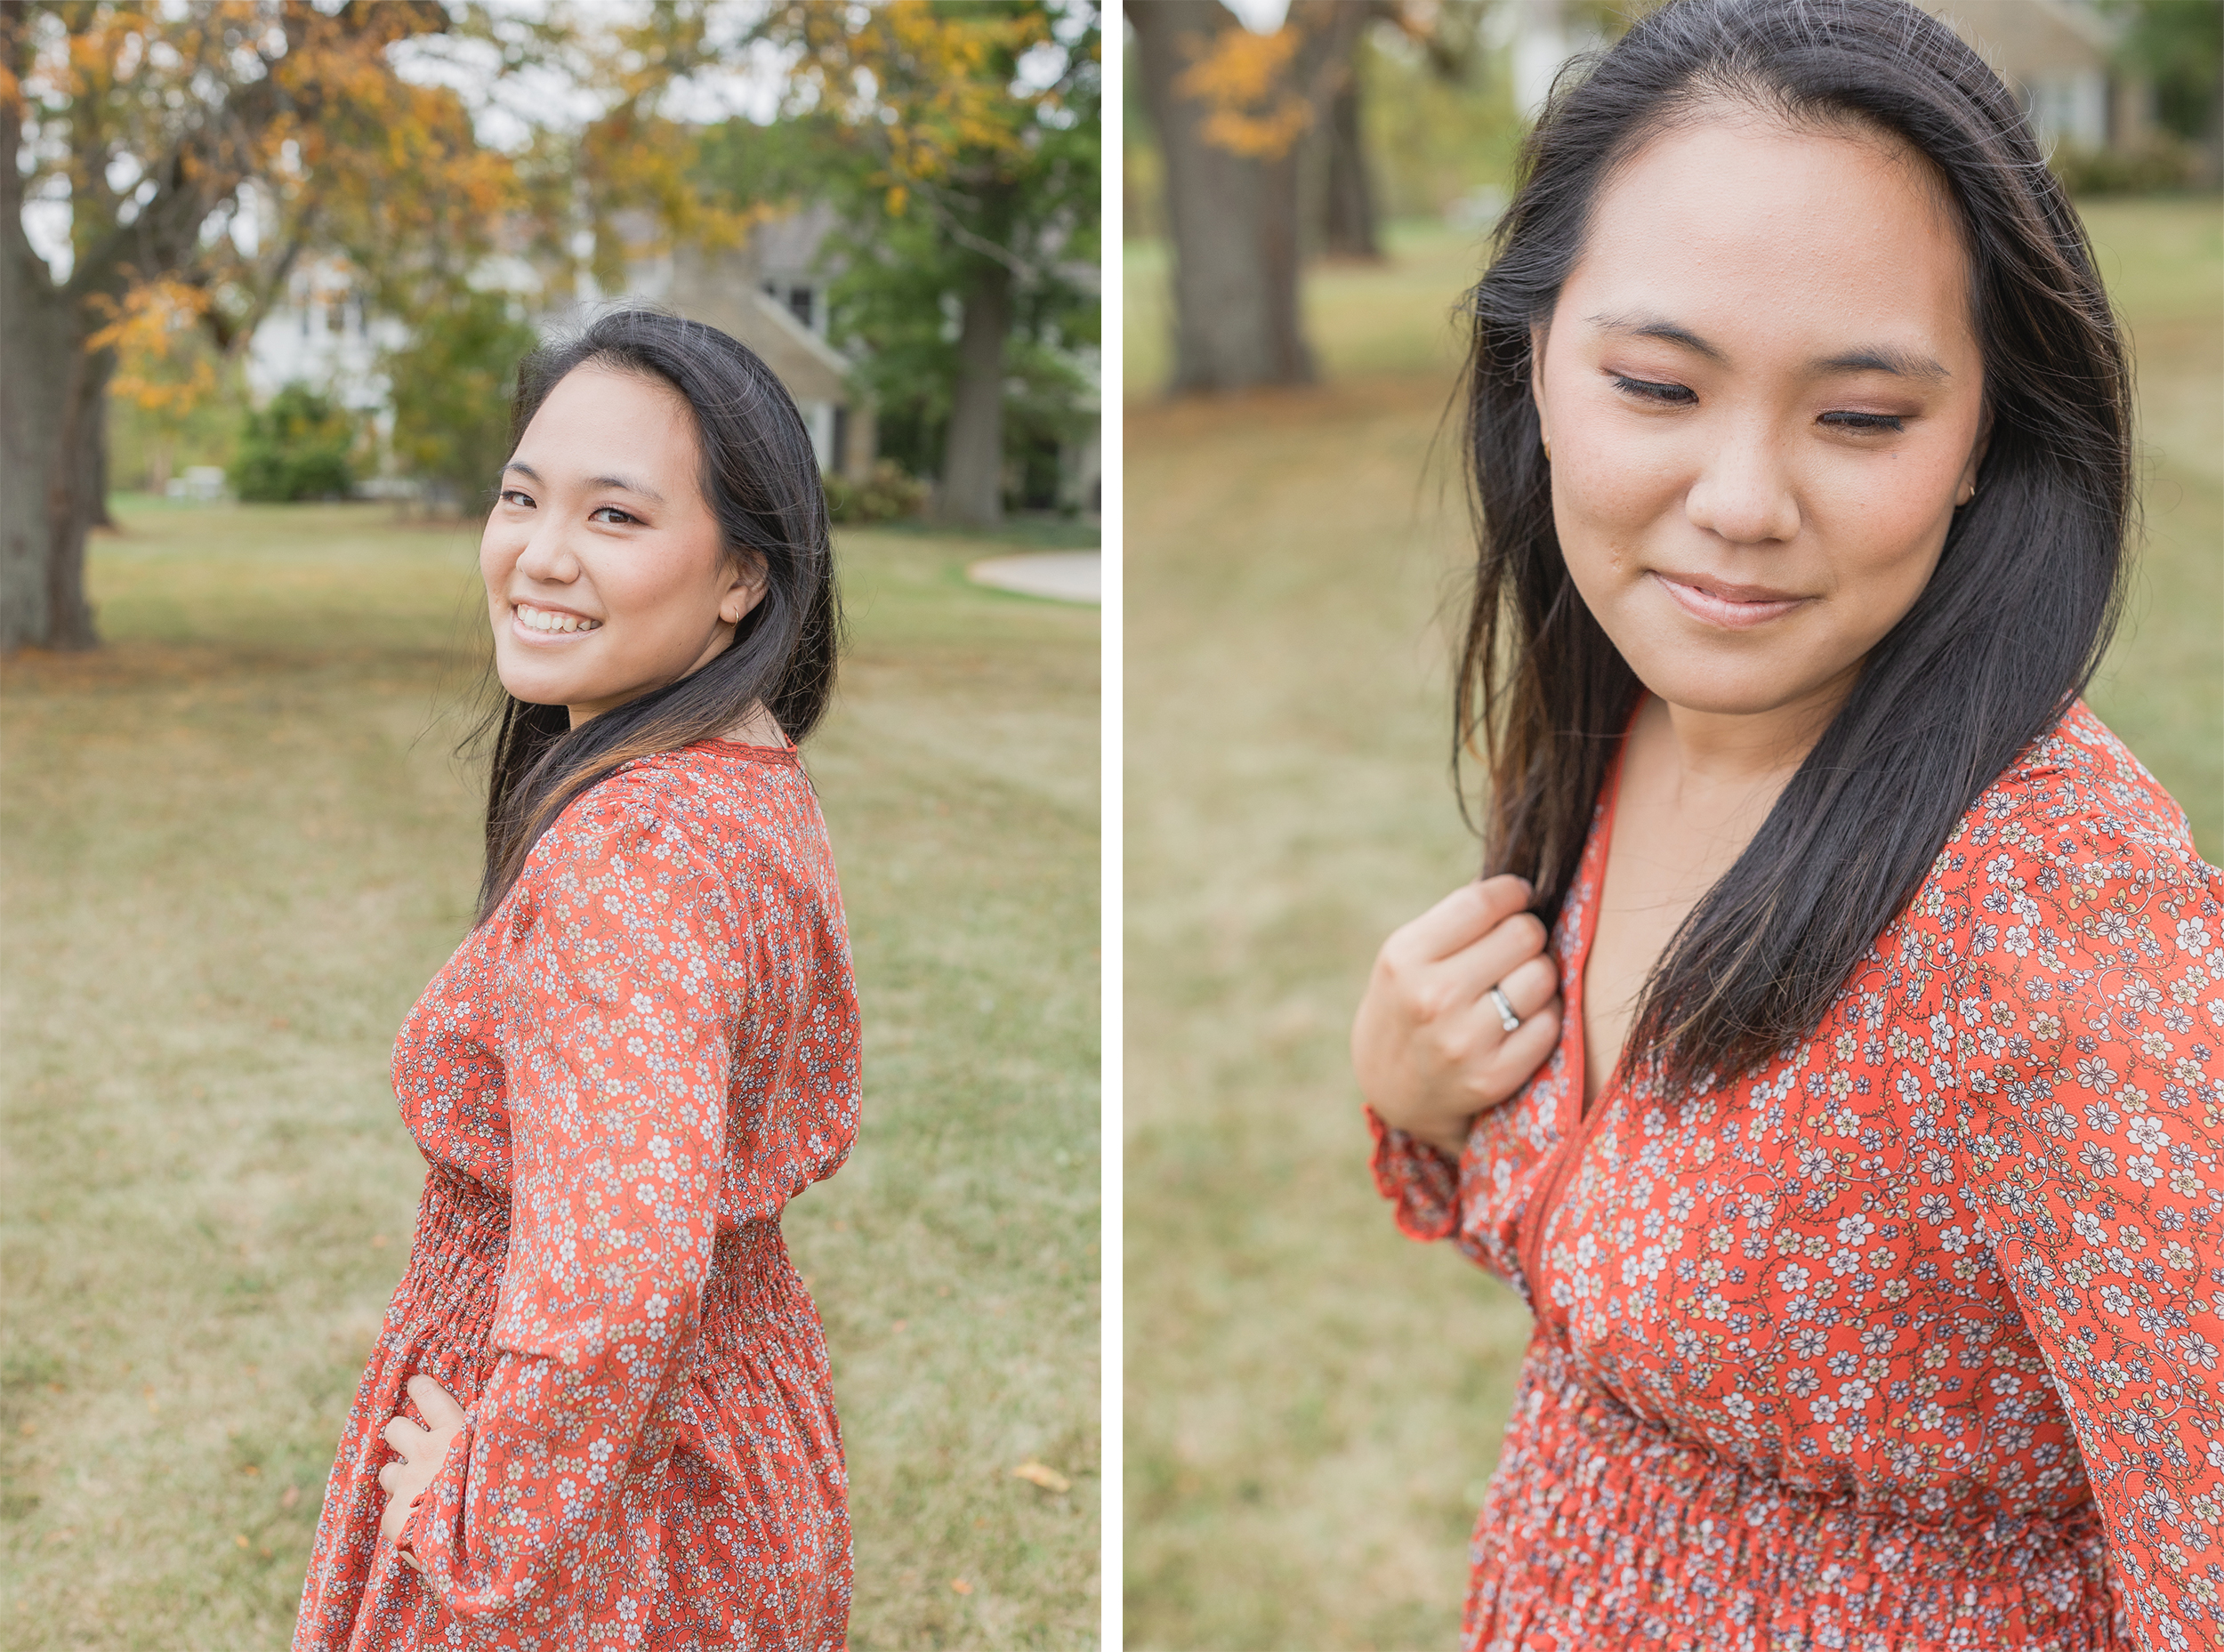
[1041,1474]
[1245,82]
[147,329]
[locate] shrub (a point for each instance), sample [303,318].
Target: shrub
[296,447]
[2160,162]
[885,495]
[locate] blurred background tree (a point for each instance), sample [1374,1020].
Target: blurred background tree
[451,386]
[964,140]
[206,145]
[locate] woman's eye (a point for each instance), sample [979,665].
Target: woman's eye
[1866,422]
[512,495]
[1645,390]
[611,510]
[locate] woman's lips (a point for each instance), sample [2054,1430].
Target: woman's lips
[1716,605]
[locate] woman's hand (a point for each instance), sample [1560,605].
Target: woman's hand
[421,1451]
[1429,1045]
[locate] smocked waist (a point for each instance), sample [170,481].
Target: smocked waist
[461,1249]
[1600,1514]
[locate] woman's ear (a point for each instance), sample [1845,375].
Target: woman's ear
[748,575]
[1965,489]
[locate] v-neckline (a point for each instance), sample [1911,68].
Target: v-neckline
[1574,1114]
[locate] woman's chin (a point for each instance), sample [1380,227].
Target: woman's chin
[1751,688]
[536,688]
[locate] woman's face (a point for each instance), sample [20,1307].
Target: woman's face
[605,572]
[1763,399]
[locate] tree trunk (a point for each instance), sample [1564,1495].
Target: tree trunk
[53,398]
[1234,216]
[972,491]
[1350,226]
[52,403]
[1232,219]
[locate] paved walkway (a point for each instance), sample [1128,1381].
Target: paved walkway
[1062,575]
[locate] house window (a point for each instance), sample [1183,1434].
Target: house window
[801,305]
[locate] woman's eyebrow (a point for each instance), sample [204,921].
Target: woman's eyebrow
[649,493]
[1906,363]
[1667,332]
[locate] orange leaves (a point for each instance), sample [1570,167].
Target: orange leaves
[938,89]
[1246,82]
[146,329]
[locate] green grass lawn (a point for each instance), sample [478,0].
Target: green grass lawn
[237,844]
[1314,1404]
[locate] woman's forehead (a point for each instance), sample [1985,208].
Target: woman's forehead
[600,418]
[1751,223]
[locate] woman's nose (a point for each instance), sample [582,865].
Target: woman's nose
[547,555]
[1744,493]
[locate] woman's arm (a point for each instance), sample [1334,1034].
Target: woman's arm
[618,978]
[2087,1020]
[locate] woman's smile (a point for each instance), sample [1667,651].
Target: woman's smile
[542,626]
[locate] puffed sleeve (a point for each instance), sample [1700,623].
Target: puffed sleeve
[2088,1016]
[618,995]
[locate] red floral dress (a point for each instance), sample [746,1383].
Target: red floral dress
[617,1082]
[1909,1340]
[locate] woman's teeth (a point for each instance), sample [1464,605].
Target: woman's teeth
[541,620]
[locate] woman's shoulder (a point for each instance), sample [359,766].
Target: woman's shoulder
[2078,809]
[720,809]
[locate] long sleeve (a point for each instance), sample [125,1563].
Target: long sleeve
[1420,1181]
[617,975]
[2087,1017]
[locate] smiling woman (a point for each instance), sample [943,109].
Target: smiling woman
[1833,1062]
[599,1411]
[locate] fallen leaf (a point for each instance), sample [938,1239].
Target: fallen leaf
[292,1496]
[1042,1475]
[959,1586]
[378,1241]
[240,1538]
[250,1467]
[900,1325]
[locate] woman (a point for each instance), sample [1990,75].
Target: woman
[1854,1141]
[599,1411]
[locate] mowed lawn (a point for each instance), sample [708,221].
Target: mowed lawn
[1314,1404]
[237,844]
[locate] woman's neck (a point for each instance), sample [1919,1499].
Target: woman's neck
[1724,752]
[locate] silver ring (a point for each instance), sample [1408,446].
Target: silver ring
[1507,1019]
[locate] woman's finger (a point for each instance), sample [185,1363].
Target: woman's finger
[1462,918]
[1521,1052]
[435,1403]
[404,1437]
[1530,986]
[1467,974]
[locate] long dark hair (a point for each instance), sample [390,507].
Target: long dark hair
[2005,636]
[761,478]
